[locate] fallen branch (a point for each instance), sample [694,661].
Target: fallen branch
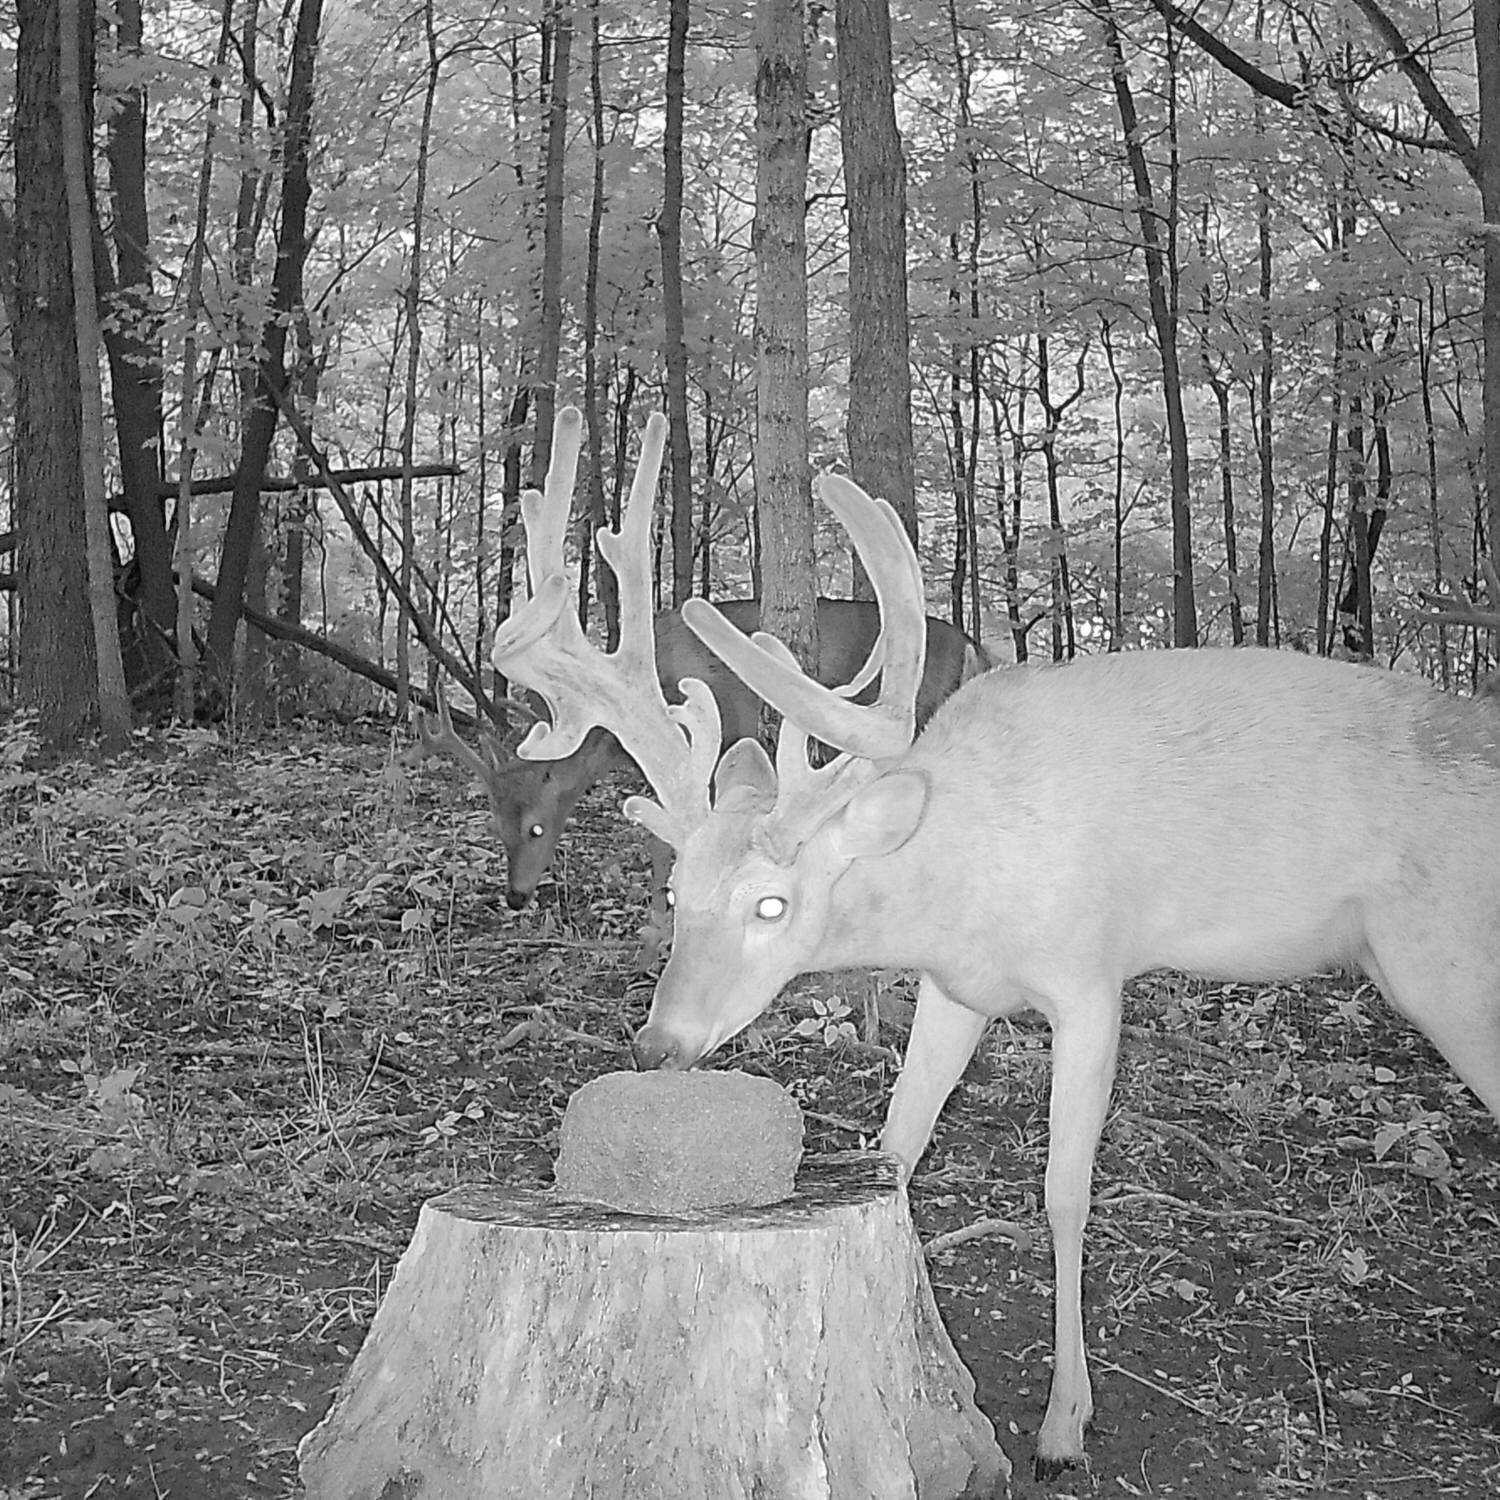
[1021,1238]
[1221,1160]
[1455,609]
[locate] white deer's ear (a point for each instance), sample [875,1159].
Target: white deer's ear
[745,780]
[879,818]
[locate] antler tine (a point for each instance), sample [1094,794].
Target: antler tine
[542,645]
[874,731]
[447,741]
[802,787]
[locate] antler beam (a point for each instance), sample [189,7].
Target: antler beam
[874,731]
[542,645]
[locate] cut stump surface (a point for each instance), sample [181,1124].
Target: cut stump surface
[533,1347]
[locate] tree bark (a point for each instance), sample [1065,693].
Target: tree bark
[558,42]
[56,643]
[412,296]
[669,232]
[1265,426]
[529,1345]
[1487,60]
[591,561]
[260,429]
[191,411]
[878,426]
[1164,324]
[784,514]
[114,703]
[135,366]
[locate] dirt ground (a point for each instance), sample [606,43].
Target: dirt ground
[258,1004]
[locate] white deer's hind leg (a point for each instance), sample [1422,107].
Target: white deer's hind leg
[1449,989]
[1085,1036]
[944,1035]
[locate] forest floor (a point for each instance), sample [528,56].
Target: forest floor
[258,1002]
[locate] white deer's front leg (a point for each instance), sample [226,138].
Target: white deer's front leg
[1085,1038]
[944,1035]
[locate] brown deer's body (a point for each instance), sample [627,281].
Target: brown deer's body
[532,800]
[1239,814]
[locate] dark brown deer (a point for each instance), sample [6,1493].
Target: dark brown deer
[531,801]
[1242,815]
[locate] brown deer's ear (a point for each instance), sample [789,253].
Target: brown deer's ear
[880,817]
[745,780]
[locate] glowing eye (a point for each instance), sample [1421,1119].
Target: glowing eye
[771,908]
[671,897]
[536,831]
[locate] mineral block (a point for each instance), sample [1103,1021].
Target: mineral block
[669,1143]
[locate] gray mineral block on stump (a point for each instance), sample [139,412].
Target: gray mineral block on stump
[669,1143]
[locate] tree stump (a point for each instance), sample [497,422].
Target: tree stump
[542,1349]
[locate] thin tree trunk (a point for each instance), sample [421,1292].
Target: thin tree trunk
[559,31]
[291,252]
[1266,560]
[1487,62]
[413,301]
[188,424]
[669,232]
[1064,633]
[1330,485]
[1426,340]
[135,366]
[959,460]
[1164,324]
[605,583]
[1117,530]
[481,438]
[784,503]
[1219,385]
[878,427]
[114,704]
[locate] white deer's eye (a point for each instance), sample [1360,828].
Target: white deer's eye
[771,908]
[535,831]
[671,897]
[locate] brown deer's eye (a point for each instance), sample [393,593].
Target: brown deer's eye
[771,908]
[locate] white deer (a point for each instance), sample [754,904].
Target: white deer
[1052,833]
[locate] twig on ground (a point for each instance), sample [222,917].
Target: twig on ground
[1162,1390]
[1019,1236]
[1128,1193]
[1166,1129]
[1172,1041]
[838,1122]
[517,1034]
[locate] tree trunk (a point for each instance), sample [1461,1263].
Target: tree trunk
[879,422]
[412,294]
[669,232]
[291,252]
[606,587]
[1117,490]
[56,643]
[533,1346]
[1164,324]
[191,413]
[558,44]
[784,509]
[135,369]
[77,121]
[1487,61]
